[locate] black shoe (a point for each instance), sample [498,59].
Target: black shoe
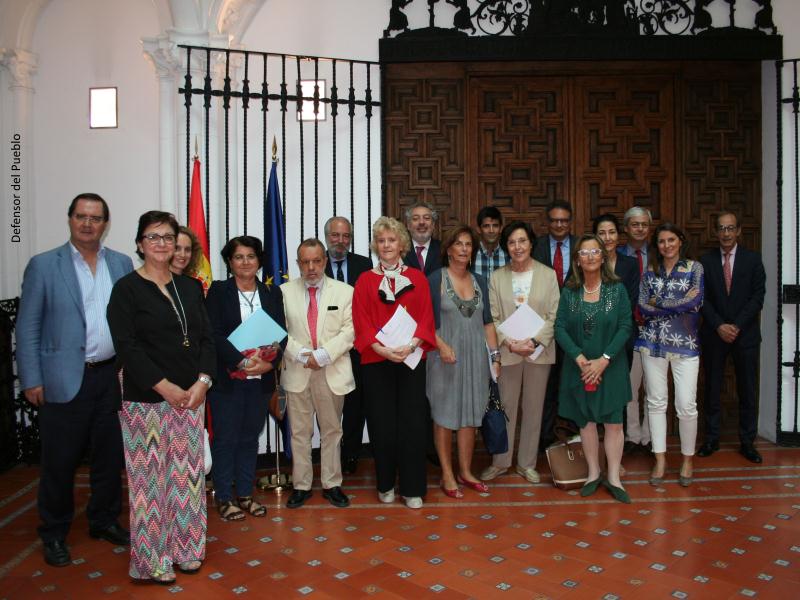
[708,448]
[629,448]
[646,449]
[298,498]
[349,465]
[113,533]
[336,496]
[750,453]
[433,458]
[56,553]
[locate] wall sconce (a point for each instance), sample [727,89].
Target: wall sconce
[307,89]
[103,108]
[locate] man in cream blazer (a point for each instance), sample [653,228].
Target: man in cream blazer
[522,382]
[317,373]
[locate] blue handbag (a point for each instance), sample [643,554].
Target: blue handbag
[493,426]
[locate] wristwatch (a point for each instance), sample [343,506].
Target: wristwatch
[607,357]
[412,346]
[206,379]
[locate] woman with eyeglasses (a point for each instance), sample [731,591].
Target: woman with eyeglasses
[245,381]
[670,298]
[593,324]
[164,345]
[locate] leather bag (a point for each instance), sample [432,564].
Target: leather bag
[493,426]
[567,460]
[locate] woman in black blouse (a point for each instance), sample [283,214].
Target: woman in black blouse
[246,379]
[164,345]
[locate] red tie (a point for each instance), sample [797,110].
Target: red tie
[558,265]
[420,260]
[312,315]
[639,258]
[726,272]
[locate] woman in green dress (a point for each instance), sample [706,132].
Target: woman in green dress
[592,326]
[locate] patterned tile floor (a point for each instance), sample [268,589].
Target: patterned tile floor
[734,534]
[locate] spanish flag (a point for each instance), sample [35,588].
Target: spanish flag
[197,223]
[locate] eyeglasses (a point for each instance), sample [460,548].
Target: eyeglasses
[587,252]
[727,228]
[94,220]
[155,238]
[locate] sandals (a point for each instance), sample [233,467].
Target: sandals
[254,508]
[230,512]
[162,577]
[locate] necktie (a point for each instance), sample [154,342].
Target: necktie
[558,265]
[339,272]
[639,258]
[726,272]
[420,260]
[312,315]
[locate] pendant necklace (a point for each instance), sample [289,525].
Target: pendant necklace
[184,324]
[248,300]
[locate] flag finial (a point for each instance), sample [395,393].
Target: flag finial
[274,149]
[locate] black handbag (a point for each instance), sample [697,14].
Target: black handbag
[493,427]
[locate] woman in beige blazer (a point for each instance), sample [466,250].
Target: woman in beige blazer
[523,380]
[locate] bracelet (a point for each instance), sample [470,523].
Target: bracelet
[496,359]
[606,356]
[245,363]
[494,353]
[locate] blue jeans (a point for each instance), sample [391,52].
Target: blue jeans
[237,418]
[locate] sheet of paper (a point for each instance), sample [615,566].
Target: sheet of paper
[397,332]
[258,330]
[523,324]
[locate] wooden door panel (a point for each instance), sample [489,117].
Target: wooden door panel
[519,139]
[624,140]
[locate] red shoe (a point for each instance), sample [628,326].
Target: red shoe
[478,486]
[456,493]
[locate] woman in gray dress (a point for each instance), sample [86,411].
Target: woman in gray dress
[458,372]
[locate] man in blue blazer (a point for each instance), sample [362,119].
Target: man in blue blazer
[65,359]
[735,284]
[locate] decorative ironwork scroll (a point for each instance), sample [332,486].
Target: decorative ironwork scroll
[554,17]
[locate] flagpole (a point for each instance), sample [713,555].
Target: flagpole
[277,481]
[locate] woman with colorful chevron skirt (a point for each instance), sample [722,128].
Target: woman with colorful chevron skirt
[164,344]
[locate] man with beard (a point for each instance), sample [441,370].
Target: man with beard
[425,250]
[490,255]
[346,266]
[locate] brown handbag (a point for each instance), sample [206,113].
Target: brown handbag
[277,402]
[567,461]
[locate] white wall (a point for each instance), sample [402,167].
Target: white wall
[83,44]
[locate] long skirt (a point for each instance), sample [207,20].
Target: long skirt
[166,486]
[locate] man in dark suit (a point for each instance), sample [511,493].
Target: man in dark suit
[734,295]
[554,250]
[346,266]
[65,357]
[425,253]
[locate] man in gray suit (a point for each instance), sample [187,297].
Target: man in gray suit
[65,359]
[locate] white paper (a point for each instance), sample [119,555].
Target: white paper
[523,324]
[398,331]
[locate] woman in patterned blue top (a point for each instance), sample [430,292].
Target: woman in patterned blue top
[670,297]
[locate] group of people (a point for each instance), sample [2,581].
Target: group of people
[127,359]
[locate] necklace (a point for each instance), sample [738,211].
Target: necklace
[184,324]
[248,300]
[594,291]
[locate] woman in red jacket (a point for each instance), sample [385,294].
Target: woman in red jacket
[395,393]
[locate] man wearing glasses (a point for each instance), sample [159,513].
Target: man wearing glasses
[637,222]
[65,359]
[554,250]
[346,266]
[734,294]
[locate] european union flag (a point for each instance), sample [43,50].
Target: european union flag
[276,267]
